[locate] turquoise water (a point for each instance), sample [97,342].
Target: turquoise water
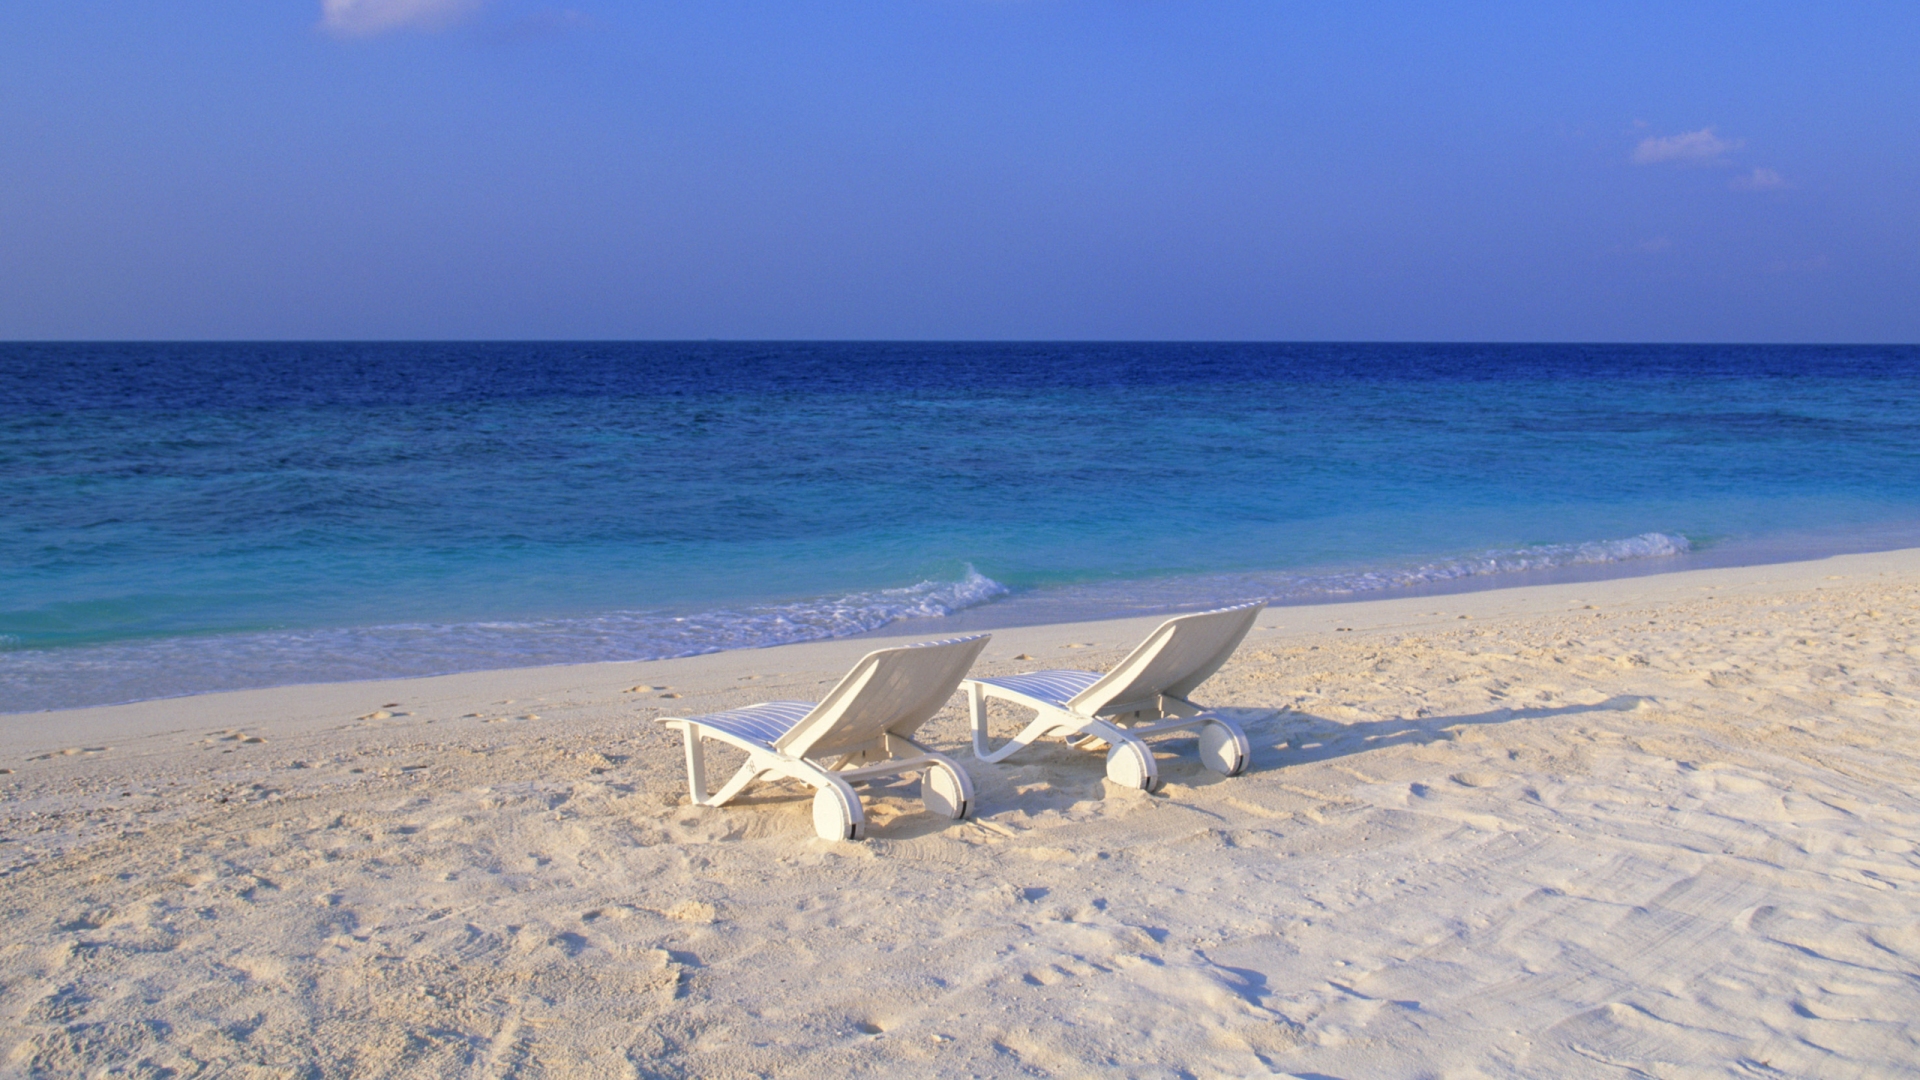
[178,518]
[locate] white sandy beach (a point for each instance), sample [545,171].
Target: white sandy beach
[1656,826]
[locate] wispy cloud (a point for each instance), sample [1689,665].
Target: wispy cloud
[1696,147]
[1760,180]
[361,18]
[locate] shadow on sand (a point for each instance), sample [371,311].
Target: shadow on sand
[1304,738]
[1281,739]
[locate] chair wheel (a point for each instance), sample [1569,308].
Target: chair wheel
[946,791]
[1131,765]
[1224,748]
[833,819]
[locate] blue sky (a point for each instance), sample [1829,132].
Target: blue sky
[959,169]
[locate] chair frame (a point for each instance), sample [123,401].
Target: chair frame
[1124,725]
[897,756]
[837,812]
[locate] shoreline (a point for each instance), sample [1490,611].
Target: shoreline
[993,616]
[1655,822]
[830,654]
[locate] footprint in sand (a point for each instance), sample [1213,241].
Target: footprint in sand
[229,735]
[89,920]
[70,751]
[693,911]
[1476,779]
[665,975]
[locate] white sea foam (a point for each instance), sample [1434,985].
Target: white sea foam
[126,671]
[1500,561]
[1094,600]
[655,636]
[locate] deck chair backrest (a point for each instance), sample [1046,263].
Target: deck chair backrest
[1177,657]
[893,690]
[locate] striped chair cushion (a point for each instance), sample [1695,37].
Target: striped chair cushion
[1053,687]
[761,723]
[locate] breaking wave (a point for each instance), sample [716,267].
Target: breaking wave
[39,678]
[131,671]
[1108,599]
[1500,561]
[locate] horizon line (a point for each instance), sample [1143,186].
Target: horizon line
[948,341]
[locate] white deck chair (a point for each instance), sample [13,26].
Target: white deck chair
[1145,694]
[862,729]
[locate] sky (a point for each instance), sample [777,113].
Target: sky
[959,169]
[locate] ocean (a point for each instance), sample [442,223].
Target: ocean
[181,518]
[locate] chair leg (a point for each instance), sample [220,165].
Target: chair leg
[697,772]
[1043,724]
[747,774]
[977,715]
[696,765]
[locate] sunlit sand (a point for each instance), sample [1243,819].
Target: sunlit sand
[1663,824]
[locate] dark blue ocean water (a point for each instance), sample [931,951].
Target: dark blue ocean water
[177,518]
